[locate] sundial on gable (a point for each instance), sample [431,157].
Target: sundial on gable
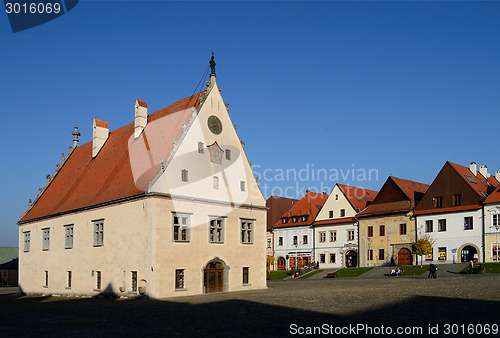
[216,153]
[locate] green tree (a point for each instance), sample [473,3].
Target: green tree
[422,247]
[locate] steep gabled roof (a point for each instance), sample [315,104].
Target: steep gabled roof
[483,186]
[83,181]
[359,198]
[397,195]
[494,197]
[309,205]
[277,207]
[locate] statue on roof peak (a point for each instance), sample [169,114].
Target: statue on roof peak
[212,63]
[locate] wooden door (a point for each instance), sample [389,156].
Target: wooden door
[404,257]
[281,263]
[214,277]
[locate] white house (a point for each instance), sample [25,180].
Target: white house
[165,206]
[336,228]
[492,225]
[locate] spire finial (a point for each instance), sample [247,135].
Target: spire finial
[212,64]
[75,135]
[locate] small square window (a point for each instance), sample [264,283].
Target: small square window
[342,212]
[322,258]
[280,240]
[330,214]
[442,225]
[216,182]
[184,175]
[332,258]
[201,147]
[242,186]
[295,240]
[322,236]
[381,254]
[402,229]
[429,226]
[304,239]
[370,231]
[228,154]
[350,235]
[333,236]
[381,230]
[468,223]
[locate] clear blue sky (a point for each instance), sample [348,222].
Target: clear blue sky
[399,87]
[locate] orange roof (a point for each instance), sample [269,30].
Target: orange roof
[101,123]
[359,198]
[83,182]
[494,197]
[142,103]
[480,184]
[308,206]
[450,209]
[383,203]
[336,221]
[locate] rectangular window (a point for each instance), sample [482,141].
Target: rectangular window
[269,244]
[200,148]
[350,235]
[402,229]
[133,286]
[180,227]
[330,214]
[370,231]
[217,230]
[216,182]
[322,236]
[304,239]
[495,220]
[322,258]
[243,186]
[228,154]
[68,285]
[457,200]
[247,232]
[441,224]
[342,212]
[438,202]
[381,254]
[280,240]
[184,175]
[468,223]
[179,278]
[245,274]
[27,241]
[381,230]
[46,279]
[429,226]
[370,254]
[98,281]
[295,240]
[46,239]
[99,233]
[332,258]
[442,254]
[333,236]
[68,236]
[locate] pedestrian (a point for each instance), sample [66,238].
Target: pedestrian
[471,267]
[432,271]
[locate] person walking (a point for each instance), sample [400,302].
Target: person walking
[471,267]
[432,271]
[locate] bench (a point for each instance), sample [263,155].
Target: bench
[332,275]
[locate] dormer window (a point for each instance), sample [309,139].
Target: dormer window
[284,220]
[304,218]
[295,219]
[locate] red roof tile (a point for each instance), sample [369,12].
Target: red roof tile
[142,103]
[450,209]
[494,197]
[83,181]
[481,185]
[101,123]
[359,198]
[309,206]
[336,221]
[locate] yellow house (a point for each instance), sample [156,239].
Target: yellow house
[387,226]
[165,206]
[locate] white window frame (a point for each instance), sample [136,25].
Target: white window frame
[98,232]
[27,241]
[68,236]
[184,225]
[46,239]
[495,220]
[216,230]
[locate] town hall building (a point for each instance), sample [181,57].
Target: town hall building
[165,206]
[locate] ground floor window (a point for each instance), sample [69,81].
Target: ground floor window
[134,281]
[495,249]
[245,274]
[370,255]
[98,280]
[69,280]
[442,254]
[381,254]
[179,278]
[46,279]
[332,258]
[322,258]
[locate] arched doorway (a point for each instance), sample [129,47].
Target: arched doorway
[213,277]
[281,263]
[404,257]
[351,259]
[468,253]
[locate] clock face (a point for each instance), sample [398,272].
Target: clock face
[214,124]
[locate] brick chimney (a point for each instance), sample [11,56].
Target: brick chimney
[100,135]
[141,117]
[473,168]
[484,171]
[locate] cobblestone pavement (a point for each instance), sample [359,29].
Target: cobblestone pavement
[392,302]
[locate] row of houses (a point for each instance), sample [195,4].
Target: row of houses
[459,213]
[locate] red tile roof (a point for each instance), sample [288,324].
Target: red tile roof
[336,221]
[450,209]
[83,182]
[101,123]
[482,186]
[494,197]
[277,207]
[409,189]
[142,103]
[359,198]
[309,206]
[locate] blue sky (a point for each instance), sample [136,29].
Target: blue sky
[396,87]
